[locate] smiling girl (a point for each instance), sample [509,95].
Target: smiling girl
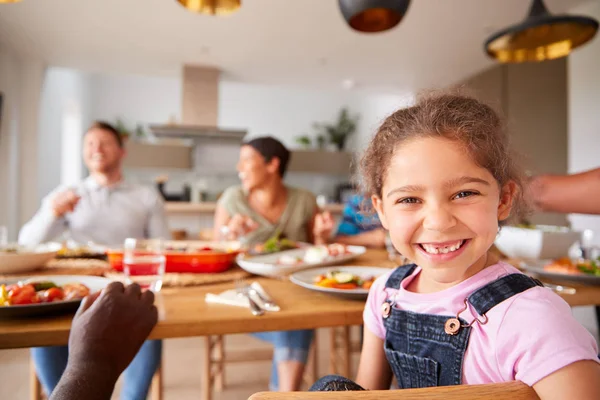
[442,180]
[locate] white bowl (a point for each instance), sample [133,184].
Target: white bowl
[27,259]
[539,242]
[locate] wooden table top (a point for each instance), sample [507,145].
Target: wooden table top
[183,312]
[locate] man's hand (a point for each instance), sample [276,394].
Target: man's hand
[322,228]
[109,329]
[64,202]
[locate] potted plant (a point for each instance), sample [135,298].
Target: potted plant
[338,132]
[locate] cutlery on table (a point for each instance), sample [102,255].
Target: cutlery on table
[267,302]
[243,290]
[560,288]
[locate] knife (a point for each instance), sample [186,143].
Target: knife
[266,300]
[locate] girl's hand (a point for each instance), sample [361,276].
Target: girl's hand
[323,227]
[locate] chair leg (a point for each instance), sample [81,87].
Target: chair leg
[311,370]
[339,355]
[219,360]
[207,376]
[156,388]
[35,387]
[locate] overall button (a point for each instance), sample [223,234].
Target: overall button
[386,309]
[452,326]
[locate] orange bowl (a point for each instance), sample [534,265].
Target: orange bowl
[204,257]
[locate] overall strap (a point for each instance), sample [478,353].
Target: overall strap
[494,293]
[399,274]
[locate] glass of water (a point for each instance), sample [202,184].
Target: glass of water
[144,263]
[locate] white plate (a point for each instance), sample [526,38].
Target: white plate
[307,278]
[94,283]
[266,264]
[27,259]
[537,267]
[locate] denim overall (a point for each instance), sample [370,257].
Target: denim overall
[420,351]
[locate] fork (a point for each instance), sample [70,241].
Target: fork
[244,289]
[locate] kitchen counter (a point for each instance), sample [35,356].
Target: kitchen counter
[176,207]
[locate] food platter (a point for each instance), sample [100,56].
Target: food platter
[289,261]
[93,283]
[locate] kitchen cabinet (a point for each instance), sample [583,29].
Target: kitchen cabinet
[163,154]
[321,161]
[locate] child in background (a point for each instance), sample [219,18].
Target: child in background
[441,179]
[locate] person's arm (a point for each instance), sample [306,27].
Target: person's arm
[374,372]
[220,220]
[577,193]
[49,221]
[157,225]
[580,380]
[374,239]
[98,348]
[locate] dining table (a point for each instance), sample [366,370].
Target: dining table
[183,311]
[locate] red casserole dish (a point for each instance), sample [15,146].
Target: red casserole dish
[198,257]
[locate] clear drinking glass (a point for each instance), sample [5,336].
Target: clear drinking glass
[144,263]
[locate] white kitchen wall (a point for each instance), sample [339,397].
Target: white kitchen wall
[20,81]
[584,112]
[9,153]
[283,112]
[584,129]
[64,115]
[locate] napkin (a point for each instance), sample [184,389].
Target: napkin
[232,298]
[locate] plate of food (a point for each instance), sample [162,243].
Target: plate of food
[15,259]
[192,256]
[348,282]
[583,271]
[289,261]
[43,295]
[71,249]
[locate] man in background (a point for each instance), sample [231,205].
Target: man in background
[103,209]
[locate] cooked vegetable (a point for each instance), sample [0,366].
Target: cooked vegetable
[40,292]
[343,280]
[43,285]
[275,244]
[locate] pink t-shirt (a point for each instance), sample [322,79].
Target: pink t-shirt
[526,338]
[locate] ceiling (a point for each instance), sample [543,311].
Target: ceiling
[288,42]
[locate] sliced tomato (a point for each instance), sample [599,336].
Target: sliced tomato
[53,294]
[23,295]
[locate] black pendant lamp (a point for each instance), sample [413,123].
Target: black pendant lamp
[212,7]
[373,15]
[541,36]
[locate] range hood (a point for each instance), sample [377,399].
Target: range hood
[200,109]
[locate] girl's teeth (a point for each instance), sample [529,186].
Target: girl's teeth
[442,250]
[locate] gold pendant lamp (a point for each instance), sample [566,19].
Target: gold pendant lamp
[212,7]
[541,36]
[373,15]
[9,1]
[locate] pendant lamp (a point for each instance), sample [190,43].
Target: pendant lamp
[9,1]
[212,7]
[373,15]
[541,36]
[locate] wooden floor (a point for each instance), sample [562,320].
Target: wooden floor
[182,370]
